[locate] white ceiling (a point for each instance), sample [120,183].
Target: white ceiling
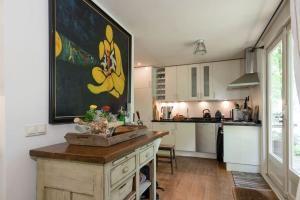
[164,30]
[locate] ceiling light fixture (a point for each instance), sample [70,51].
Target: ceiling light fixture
[200,47]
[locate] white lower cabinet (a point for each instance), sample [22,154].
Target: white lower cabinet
[180,134]
[185,137]
[163,126]
[242,148]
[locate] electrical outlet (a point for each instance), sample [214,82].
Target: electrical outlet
[35,130]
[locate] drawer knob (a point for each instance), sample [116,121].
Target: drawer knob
[147,155]
[125,170]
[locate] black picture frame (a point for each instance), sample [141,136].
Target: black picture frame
[54,117]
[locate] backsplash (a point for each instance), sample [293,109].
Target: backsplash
[194,109]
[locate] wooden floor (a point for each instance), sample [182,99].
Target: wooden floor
[195,179]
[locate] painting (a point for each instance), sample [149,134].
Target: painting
[90,60]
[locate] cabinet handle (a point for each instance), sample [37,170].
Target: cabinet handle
[125,170]
[122,186]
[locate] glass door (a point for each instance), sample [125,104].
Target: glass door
[206,82]
[283,166]
[276,112]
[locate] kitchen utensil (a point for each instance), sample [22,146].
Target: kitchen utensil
[206,114]
[139,121]
[256,114]
[166,112]
[246,102]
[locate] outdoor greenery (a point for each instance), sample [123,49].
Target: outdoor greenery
[275,60]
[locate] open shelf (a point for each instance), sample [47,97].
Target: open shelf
[144,186]
[160,84]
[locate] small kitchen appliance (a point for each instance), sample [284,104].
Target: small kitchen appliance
[206,114]
[166,112]
[237,115]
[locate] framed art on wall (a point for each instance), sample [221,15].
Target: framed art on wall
[90,60]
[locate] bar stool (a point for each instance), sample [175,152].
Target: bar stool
[167,158]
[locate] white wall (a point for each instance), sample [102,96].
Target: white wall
[26,93]
[1,106]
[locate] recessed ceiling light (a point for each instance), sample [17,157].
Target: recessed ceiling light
[139,64]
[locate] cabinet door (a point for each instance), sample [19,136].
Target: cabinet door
[242,144]
[164,126]
[143,103]
[194,81]
[183,83]
[56,194]
[76,196]
[206,81]
[171,86]
[185,137]
[206,137]
[142,77]
[224,73]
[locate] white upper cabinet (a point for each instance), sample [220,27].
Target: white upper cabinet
[206,78]
[143,77]
[224,73]
[143,103]
[183,83]
[143,93]
[208,81]
[171,83]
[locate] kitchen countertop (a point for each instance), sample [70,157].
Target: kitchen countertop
[189,120]
[226,122]
[232,123]
[92,154]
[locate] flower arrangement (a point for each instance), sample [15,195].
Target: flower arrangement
[91,114]
[94,121]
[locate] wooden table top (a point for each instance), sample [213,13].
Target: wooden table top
[91,154]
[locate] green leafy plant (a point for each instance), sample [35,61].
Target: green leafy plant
[91,114]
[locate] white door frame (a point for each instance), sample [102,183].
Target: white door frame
[276,170]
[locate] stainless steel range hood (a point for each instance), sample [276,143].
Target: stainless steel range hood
[250,78]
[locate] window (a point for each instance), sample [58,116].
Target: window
[275,99]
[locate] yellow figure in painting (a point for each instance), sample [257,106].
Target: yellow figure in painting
[110,76]
[58,44]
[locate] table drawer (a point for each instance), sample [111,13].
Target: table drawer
[122,191]
[146,154]
[122,170]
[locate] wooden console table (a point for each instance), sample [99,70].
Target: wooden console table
[71,172]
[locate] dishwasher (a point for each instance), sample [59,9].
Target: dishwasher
[206,137]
